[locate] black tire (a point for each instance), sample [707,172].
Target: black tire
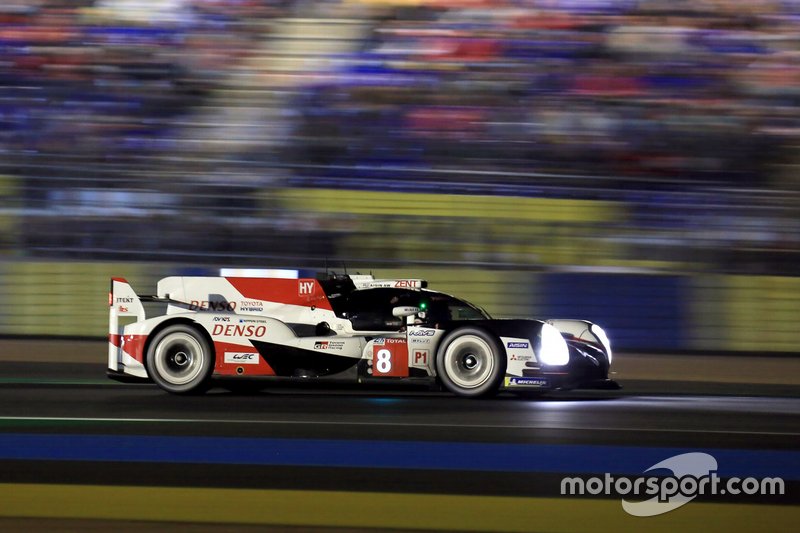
[180,360]
[470,363]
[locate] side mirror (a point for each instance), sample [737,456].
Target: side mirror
[405,310]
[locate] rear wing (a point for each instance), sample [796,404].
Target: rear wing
[122,302]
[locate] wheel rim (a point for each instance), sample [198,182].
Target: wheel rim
[469,361]
[179,358]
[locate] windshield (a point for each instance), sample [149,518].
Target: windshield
[371,309]
[440,306]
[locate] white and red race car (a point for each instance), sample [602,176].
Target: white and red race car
[354,328]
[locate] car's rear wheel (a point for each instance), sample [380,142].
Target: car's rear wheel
[180,360]
[470,363]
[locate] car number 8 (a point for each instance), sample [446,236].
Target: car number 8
[384,362]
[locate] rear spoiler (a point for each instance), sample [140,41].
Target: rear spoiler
[124,302]
[123,297]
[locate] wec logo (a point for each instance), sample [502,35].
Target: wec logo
[241,358]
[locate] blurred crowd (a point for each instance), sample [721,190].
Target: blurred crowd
[685,113]
[102,77]
[672,89]
[676,90]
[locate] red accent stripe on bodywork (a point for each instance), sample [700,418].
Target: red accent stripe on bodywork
[132,345]
[304,292]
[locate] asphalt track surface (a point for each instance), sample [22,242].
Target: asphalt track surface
[78,451]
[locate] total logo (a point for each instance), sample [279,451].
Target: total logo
[422,333]
[383,341]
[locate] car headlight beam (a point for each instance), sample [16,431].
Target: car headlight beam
[553,348]
[603,338]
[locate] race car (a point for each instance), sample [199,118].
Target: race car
[353,328]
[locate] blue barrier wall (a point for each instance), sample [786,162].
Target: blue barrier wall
[638,311]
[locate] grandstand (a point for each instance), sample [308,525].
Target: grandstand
[681,117]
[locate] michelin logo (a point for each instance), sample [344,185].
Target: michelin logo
[526,382]
[518,345]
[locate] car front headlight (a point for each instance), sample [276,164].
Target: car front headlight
[553,348]
[603,338]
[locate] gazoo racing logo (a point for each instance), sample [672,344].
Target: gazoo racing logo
[326,345]
[232,330]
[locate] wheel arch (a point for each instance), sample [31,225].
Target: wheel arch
[467,327]
[181,320]
[461,326]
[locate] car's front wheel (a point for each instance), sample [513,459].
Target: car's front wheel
[470,363]
[180,360]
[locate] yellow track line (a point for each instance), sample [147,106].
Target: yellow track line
[376,510]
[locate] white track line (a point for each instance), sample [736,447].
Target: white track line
[395,424]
